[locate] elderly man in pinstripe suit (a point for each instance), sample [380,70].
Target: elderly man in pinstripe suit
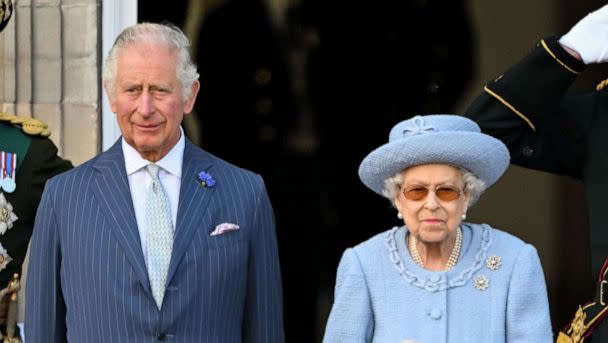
[155,239]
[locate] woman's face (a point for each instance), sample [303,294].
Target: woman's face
[432,201]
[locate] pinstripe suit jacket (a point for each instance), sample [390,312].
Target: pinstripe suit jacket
[87,279]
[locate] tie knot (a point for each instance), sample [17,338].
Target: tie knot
[153,170]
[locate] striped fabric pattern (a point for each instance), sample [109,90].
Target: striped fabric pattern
[88,282]
[159,231]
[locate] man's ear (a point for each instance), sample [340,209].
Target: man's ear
[111,98]
[189,105]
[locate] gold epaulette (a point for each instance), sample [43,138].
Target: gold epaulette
[30,126]
[600,86]
[589,315]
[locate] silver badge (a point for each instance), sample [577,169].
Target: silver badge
[8,169]
[9,185]
[482,282]
[7,216]
[493,263]
[4,258]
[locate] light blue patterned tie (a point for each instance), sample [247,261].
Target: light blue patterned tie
[159,235]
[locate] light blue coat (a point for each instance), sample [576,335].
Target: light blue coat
[382,296]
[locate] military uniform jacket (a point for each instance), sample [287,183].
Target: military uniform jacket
[39,163]
[546,129]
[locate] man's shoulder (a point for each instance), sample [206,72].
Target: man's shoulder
[83,170]
[19,133]
[220,163]
[28,126]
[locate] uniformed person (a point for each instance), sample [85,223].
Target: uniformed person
[546,129]
[27,159]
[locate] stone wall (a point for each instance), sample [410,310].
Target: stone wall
[50,71]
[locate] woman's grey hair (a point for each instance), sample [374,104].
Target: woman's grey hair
[472,185]
[164,34]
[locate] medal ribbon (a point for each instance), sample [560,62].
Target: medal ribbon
[10,164]
[3,164]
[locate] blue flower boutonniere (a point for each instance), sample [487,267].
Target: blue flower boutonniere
[205,179]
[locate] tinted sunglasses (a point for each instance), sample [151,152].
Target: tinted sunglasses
[443,193]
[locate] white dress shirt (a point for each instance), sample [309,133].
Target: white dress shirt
[170,175]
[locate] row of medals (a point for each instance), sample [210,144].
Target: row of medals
[8,163]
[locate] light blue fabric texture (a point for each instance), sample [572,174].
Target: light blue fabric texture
[88,281]
[159,230]
[435,138]
[382,296]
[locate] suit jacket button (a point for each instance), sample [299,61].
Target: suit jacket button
[162,336]
[527,151]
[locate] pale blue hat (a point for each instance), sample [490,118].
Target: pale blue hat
[438,138]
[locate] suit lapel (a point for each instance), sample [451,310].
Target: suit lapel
[193,201]
[114,196]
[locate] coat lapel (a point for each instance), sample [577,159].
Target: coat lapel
[111,188]
[193,201]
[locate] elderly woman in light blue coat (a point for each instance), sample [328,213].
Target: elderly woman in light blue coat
[437,278]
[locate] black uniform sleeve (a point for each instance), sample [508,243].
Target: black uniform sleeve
[45,163]
[528,109]
[40,164]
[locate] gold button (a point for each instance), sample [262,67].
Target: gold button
[34,127]
[263,77]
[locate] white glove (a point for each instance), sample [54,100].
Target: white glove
[589,37]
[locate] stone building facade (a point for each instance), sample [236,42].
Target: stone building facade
[50,59]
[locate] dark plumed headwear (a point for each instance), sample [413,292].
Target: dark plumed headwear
[6,11]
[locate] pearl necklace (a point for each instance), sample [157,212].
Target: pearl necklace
[453,255]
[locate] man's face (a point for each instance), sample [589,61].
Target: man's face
[148,100]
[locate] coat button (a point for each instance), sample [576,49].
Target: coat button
[435,313]
[527,151]
[434,278]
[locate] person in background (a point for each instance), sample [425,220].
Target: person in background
[154,239]
[438,278]
[28,158]
[547,128]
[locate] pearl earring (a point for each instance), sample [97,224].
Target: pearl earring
[464,216]
[399,215]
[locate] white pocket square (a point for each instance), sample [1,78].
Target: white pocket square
[223,228]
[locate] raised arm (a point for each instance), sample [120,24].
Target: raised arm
[527,106]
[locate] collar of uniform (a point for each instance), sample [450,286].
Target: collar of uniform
[171,162]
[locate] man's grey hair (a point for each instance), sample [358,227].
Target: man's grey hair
[472,185]
[165,34]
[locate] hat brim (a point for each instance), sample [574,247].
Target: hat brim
[482,155]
